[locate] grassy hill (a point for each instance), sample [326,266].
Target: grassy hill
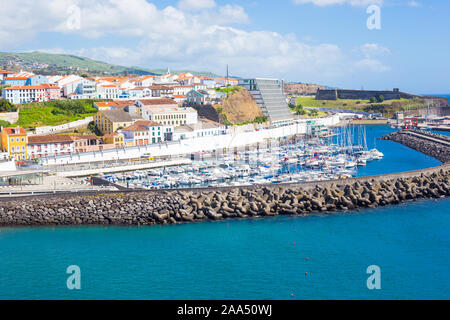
[49,63]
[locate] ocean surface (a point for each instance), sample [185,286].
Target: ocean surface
[315,257]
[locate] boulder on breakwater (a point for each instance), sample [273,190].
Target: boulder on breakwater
[192,205]
[434,149]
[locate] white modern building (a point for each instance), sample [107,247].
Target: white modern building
[203,128]
[108,91]
[166,112]
[269,95]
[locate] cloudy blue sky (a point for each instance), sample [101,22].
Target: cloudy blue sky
[316,41]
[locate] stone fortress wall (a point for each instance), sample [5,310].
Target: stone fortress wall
[335,94]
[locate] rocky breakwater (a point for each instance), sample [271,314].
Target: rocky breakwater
[423,142]
[181,206]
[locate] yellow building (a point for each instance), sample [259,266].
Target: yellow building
[109,121]
[14,141]
[115,138]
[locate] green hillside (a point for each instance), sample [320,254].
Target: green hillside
[49,63]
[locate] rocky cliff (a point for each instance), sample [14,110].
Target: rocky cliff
[239,107]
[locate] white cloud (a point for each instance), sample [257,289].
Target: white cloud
[372,53]
[373,49]
[323,3]
[196,4]
[371,65]
[204,39]
[414,4]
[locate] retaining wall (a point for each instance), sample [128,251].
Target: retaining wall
[62,127]
[11,117]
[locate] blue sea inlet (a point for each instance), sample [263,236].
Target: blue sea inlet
[315,257]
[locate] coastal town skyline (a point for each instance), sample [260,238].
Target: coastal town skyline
[287,40]
[220,158]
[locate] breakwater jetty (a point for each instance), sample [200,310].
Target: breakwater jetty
[432,144]
[195,205]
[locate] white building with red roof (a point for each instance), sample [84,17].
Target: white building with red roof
[26,94]
[108,91]
[4,74]
[166,112]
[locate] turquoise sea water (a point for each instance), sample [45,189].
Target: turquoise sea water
[245,259]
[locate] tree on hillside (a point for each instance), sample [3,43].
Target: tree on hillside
[314,112]
[4,124]
[380,98]
[373,99]
[6,106]
[3,87]
[299,110]
[261,119]
[94,129]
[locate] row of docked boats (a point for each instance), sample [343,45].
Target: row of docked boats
[301,161]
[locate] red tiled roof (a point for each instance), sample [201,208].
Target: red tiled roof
[124,102]
[85,137]
[49,85]
[16,78]
[24,87]
[111,135]
[55,138]
[153,102]
[210,121]
[59,138]
[158,87]
[135,127]
[106,103]
[14,131]
[148,123]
